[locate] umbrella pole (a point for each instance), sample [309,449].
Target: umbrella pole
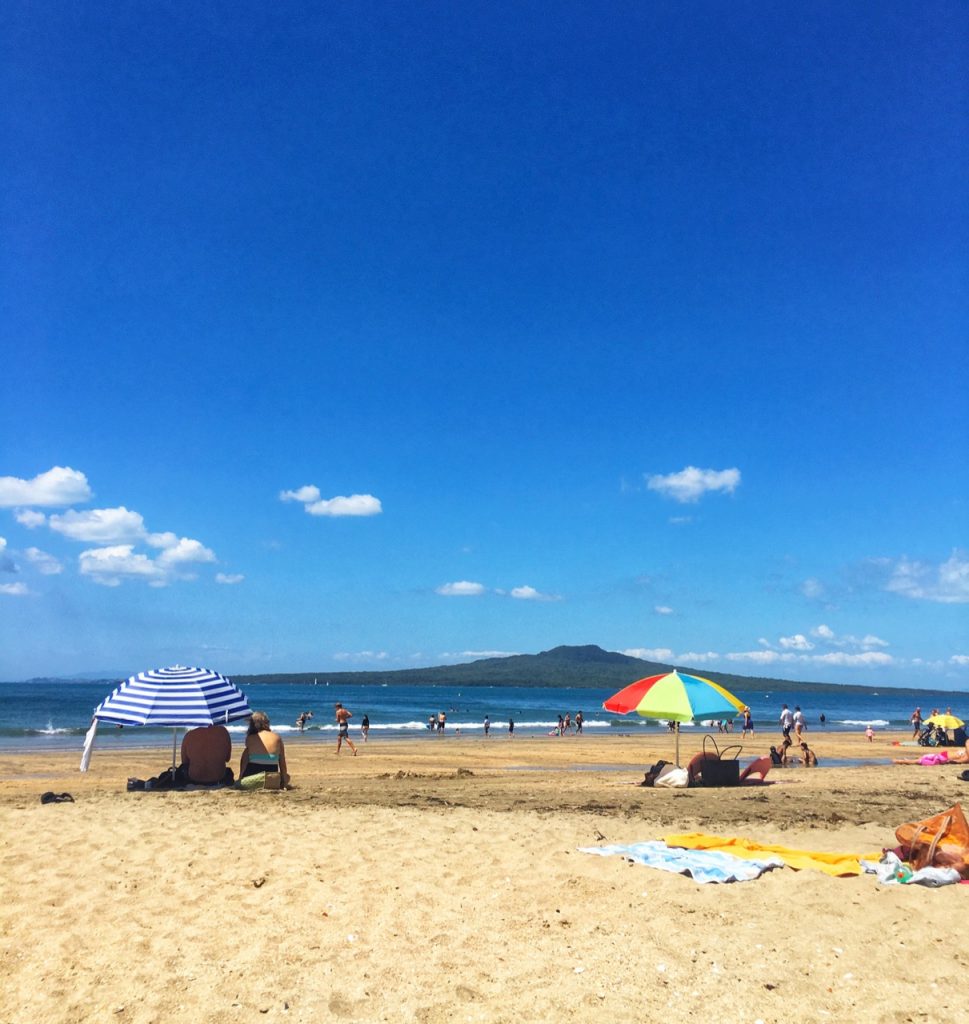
[677,731]
[174,741]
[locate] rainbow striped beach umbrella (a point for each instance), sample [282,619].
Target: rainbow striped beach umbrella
[675,697]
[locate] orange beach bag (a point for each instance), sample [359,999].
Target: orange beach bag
[941,841]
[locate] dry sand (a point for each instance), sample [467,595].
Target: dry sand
[439,880]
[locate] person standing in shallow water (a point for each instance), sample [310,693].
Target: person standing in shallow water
[511,727]
[343,729]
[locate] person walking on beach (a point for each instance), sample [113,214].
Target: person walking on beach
[799,723]
[748,723]
[578,723]
[343,729]
[916,723]
[511,727]
[365,727]
[487,726]
[787,721]
[870,733]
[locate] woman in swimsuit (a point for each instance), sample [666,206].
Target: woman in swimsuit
[264,750]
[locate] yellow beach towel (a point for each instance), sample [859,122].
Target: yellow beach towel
[830,863]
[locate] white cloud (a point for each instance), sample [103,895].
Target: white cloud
[109,566]
[827,635]
[59,486]
[865,659]
[869,640]
[29,518]
[844,659]
[341,505]
[100,525]
[14,589]
[184,552]
[531,594]
[481,654]
[361,656]
[797,642]
[117,531]
[229,578]
[697,657]
[662,609]
[461,588]
[663,654]
[46,564]
[813,589]
[690,484]
[959,659]
[947,583]
[760,657]
[306,494]
[161,540]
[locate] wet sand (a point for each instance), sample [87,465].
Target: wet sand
[439,880]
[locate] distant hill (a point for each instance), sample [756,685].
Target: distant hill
[587,665]
[566,666]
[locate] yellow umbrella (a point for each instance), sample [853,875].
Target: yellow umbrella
[945,721]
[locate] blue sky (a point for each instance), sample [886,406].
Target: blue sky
[384,335]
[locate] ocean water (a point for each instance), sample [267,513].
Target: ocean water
[55,715]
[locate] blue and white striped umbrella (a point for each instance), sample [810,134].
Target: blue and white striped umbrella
[174,696]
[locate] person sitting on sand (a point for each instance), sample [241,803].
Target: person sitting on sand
[205,756]
[808,757]
[785,752]
[264,750]
[775,757]
[694,769]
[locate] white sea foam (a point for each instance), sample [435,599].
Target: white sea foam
[869,721]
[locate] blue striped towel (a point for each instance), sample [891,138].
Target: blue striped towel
[700,865]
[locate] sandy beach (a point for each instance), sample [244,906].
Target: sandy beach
[440,880]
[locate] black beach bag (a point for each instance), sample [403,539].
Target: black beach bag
[718,769]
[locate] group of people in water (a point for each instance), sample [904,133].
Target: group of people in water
[567,726]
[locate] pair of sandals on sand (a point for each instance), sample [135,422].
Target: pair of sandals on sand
[56,798]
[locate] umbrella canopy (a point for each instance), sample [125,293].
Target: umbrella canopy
[945,721]
[174,696]
[676,697]
[169,696]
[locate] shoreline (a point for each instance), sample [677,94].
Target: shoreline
[135,739]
